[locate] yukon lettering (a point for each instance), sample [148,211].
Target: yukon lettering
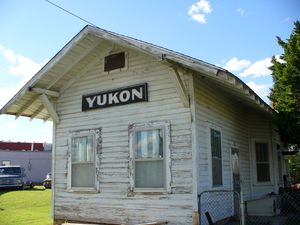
[121,96]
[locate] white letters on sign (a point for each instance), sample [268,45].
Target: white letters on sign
[127,95]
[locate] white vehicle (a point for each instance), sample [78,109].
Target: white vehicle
[14,177]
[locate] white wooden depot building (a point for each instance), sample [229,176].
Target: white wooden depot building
[140,131]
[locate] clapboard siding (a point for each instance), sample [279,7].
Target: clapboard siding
[262,129]
[216,110]
[239,126]
[211,108]
[112,203]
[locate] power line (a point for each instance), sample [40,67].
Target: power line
[78,17]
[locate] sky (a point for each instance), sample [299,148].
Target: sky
[238,35]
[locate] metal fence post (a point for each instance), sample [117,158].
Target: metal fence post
[242,209]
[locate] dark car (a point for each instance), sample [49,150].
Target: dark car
[14,177]
[47,181]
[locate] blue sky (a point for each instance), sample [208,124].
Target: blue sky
[239,35]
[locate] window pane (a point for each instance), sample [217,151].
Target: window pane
[82,168]
[149,163]
[216,154]
[216,143]
[262,162]
[149,174]
[83,175]
[217,171]
[261,152]
[263,172]
[82,149]
[149,144]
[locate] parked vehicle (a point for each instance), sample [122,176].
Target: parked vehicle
[47,181]
[14,177]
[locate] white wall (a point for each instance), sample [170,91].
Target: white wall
[239,126]
[112,203]
[37,164]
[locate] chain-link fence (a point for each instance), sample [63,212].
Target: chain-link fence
[219,207]
[279,209]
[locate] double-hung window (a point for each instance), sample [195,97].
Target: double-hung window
[82,169]
[262,162]
[150,157]
[216,157]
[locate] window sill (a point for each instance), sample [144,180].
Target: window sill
[263,184]
[83,190]
[217,187]
[149,191]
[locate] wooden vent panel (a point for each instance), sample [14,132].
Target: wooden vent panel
[114,61]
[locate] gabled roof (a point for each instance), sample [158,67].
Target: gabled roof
[35,98]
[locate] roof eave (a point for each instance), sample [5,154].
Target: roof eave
[221,75]
[209,70]
[55,59]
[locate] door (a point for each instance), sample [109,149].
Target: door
[236,183]
[235,160]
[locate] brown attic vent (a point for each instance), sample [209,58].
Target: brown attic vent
[114,61]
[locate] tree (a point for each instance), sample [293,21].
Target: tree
[285,94]
[294,164]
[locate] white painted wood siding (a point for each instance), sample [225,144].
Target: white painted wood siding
[261,129]
[112,203]
[216,110]
[238,126]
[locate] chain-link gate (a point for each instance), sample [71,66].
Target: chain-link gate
[279,209]
[219,207]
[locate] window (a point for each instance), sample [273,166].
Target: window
[216,157]
[150,156]
[262,162]
[114,61]
[83,159]
[5,163]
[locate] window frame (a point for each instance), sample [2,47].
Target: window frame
[270,162]
[164,126]
[210,128]
[97,145]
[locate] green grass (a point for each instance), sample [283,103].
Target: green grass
[26,207]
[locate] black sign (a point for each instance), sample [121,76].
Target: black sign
[122,96]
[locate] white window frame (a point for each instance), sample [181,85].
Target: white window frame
[97,143]
[254,164]
[164,126]
[210,156]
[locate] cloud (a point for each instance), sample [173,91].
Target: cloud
[7,93]
[20,66]
[254,70]
[46,133]
[258,69]
[241,12]
[198,10]
[235,64]
[15,130]
[263,90]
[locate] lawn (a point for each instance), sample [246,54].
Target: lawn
[25,207]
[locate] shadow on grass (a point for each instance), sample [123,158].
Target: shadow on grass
[7,190]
